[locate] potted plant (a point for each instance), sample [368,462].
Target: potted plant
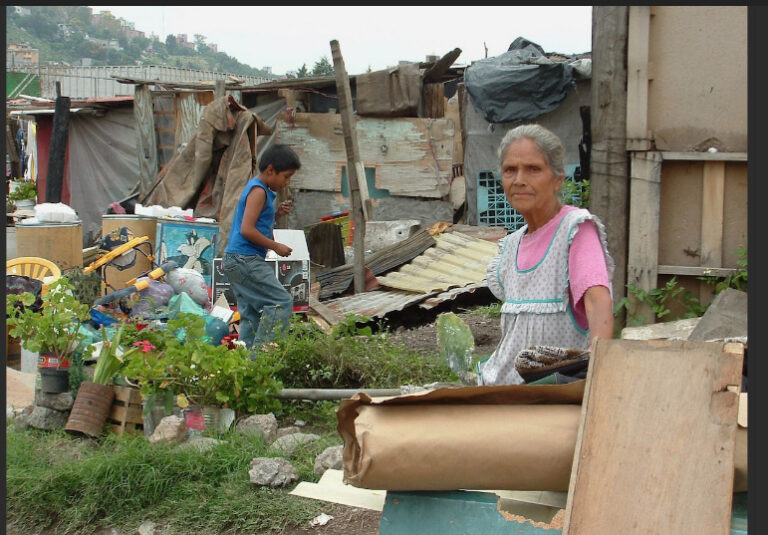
[54,331]
[207,377]
[23,194]
[94,398]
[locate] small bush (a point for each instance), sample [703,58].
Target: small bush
[351,357]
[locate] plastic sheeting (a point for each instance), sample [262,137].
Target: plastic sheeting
[102,165]
[519,84]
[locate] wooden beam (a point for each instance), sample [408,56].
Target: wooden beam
[353,156]
[712,214]
[146,140]
[638,137]
[609,183]
[643,254]
[705,156]
[434,73]
[331,316]
[54,181]
[695,271]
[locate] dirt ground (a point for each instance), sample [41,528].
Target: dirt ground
[423,338]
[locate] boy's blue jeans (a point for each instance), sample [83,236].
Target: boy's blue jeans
[262,302]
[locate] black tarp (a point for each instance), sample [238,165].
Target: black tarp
[519,84]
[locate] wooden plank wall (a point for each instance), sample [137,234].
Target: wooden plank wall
[412,156]
[687,209]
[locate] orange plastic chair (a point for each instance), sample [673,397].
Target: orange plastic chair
[34,268]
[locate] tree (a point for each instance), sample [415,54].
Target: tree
[200,45]
[170,44]
[303,72]
[323,67]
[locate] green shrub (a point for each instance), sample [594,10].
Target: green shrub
[351,357]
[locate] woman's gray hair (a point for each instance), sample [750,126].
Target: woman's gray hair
[547,142]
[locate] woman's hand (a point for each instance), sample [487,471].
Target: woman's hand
[599,308]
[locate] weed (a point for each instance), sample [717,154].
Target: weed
[351,356]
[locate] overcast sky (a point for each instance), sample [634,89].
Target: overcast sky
[285,37]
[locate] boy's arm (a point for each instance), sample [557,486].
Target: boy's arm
[254,204]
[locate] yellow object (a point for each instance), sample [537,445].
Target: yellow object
[114,253]
[35,268]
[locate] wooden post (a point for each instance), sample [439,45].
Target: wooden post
[220,89]
[608,161]
[146,138]
[55,180]
[350,143]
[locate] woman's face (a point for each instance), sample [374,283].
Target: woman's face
[528,181]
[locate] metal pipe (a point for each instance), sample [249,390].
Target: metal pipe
[319,394]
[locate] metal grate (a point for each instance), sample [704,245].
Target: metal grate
[493,210]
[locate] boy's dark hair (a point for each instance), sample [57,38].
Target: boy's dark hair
[282,157]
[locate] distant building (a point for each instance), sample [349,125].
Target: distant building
[267,70]
[131,33]
[19,55]
[214,47]
[96,17]
[65,29]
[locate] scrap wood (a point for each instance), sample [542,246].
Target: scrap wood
[331,317]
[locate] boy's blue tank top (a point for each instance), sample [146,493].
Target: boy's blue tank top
[239,244]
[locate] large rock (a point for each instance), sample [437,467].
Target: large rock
[170,429]
[726,317]
[675,330]
[47,419]
[57,402]
[200,443]
[332,457]
[290,443]
[260,424]
[273,472]
[290,430]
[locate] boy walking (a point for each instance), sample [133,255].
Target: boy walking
[262,301]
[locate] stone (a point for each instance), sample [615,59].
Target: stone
[21,421]
[57,402]
[147,528]
[170,429]
[272,471]
[674,330]
[106,531]
[290,443]
[283,431]
[725,318]
[260,424]
[47,419]
[200,442]
[331,457]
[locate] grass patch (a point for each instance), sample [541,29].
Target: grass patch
[72,484]
[492,311]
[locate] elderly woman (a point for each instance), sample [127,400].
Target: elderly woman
[553,274]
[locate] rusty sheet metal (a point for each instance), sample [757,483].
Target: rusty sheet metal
[450,295]
[374,304]
[457,260]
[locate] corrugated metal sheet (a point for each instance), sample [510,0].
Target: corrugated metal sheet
[374,304]
[456,264]
[456,260]
[99,82]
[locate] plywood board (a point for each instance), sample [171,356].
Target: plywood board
[655,449]
[412,156]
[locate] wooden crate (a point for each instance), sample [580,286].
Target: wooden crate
[125,414]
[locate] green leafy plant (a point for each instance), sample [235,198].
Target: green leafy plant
[111,358]
[23,191]
[736,280]
[659,301]
[351,356]
[575,193]
[56,328]
[179,360]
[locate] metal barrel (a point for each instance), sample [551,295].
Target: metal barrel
[91,409]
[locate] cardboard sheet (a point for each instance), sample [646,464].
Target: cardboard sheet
[517,437]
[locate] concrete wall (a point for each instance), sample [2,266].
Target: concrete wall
[698,68]
[483,138]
